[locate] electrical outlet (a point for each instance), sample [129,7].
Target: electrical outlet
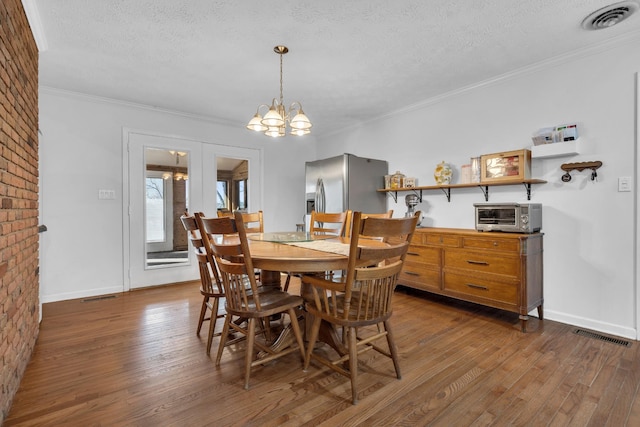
[106,194]
[624,183]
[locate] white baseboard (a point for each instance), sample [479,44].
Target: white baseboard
[604,327]
[63,296]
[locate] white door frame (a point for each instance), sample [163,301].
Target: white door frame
[202,169]
[636,181]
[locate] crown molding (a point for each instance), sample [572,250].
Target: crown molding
[104,100]
[33,16]
[632,37]
[529,69]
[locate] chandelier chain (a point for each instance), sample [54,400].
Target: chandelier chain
[281,98]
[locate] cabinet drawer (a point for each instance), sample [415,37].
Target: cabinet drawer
[442,240]
[508,245]
[487,262]
[420,276]
[470,285]
[424,255]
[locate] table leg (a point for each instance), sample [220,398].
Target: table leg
[270,278]
[328,333]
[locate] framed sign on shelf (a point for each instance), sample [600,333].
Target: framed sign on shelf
[506,166]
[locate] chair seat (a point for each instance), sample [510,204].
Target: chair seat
[271,302]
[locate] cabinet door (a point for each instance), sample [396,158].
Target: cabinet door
[478,289]
[482,262]
[506,245]
[422,268]
[442,240]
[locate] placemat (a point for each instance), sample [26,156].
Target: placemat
[324,246]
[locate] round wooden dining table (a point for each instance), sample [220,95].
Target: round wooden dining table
[273,256]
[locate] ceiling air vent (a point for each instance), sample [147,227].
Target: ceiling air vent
[610,15]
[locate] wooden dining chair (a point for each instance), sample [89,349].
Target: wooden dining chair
[349,225]
[329,223]
[253,222]
[334,223]
[244,299]
[210,283]
[363,298]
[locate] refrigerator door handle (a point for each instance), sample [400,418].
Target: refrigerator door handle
[320,196]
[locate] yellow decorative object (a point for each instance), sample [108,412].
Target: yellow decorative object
[443,173]
[397,180]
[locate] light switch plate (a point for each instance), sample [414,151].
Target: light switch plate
[624,183]
[106,194]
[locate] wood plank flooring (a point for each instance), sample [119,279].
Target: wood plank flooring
[134,359]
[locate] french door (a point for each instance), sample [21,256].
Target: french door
[165,176]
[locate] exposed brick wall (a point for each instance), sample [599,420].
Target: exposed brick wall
[18,198]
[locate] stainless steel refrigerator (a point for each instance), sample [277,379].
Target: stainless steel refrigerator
[345,182]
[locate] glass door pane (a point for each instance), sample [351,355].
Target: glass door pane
[166,200]
[155,215]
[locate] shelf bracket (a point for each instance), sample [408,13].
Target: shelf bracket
[527,186]
[447,192]
[394,194]
[485,191]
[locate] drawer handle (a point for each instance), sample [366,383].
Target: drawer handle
[413,253]
[411,273]
[470,261]
[471,285]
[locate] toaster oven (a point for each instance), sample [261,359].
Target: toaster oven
[509,217]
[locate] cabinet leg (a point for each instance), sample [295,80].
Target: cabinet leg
[540,312]
[523,323]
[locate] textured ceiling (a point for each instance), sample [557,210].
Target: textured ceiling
[349,61]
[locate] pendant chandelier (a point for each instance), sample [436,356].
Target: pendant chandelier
[276,119]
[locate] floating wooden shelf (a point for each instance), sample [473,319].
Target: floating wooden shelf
[556,149]
[446,189]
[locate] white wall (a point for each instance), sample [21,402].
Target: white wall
[589,230]
[81,152]
[589,226]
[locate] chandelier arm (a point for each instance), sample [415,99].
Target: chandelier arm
[293,105]
[260,106]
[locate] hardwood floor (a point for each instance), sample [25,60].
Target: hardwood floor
[134,359]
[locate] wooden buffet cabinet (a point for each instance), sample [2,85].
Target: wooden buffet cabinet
[500,270]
